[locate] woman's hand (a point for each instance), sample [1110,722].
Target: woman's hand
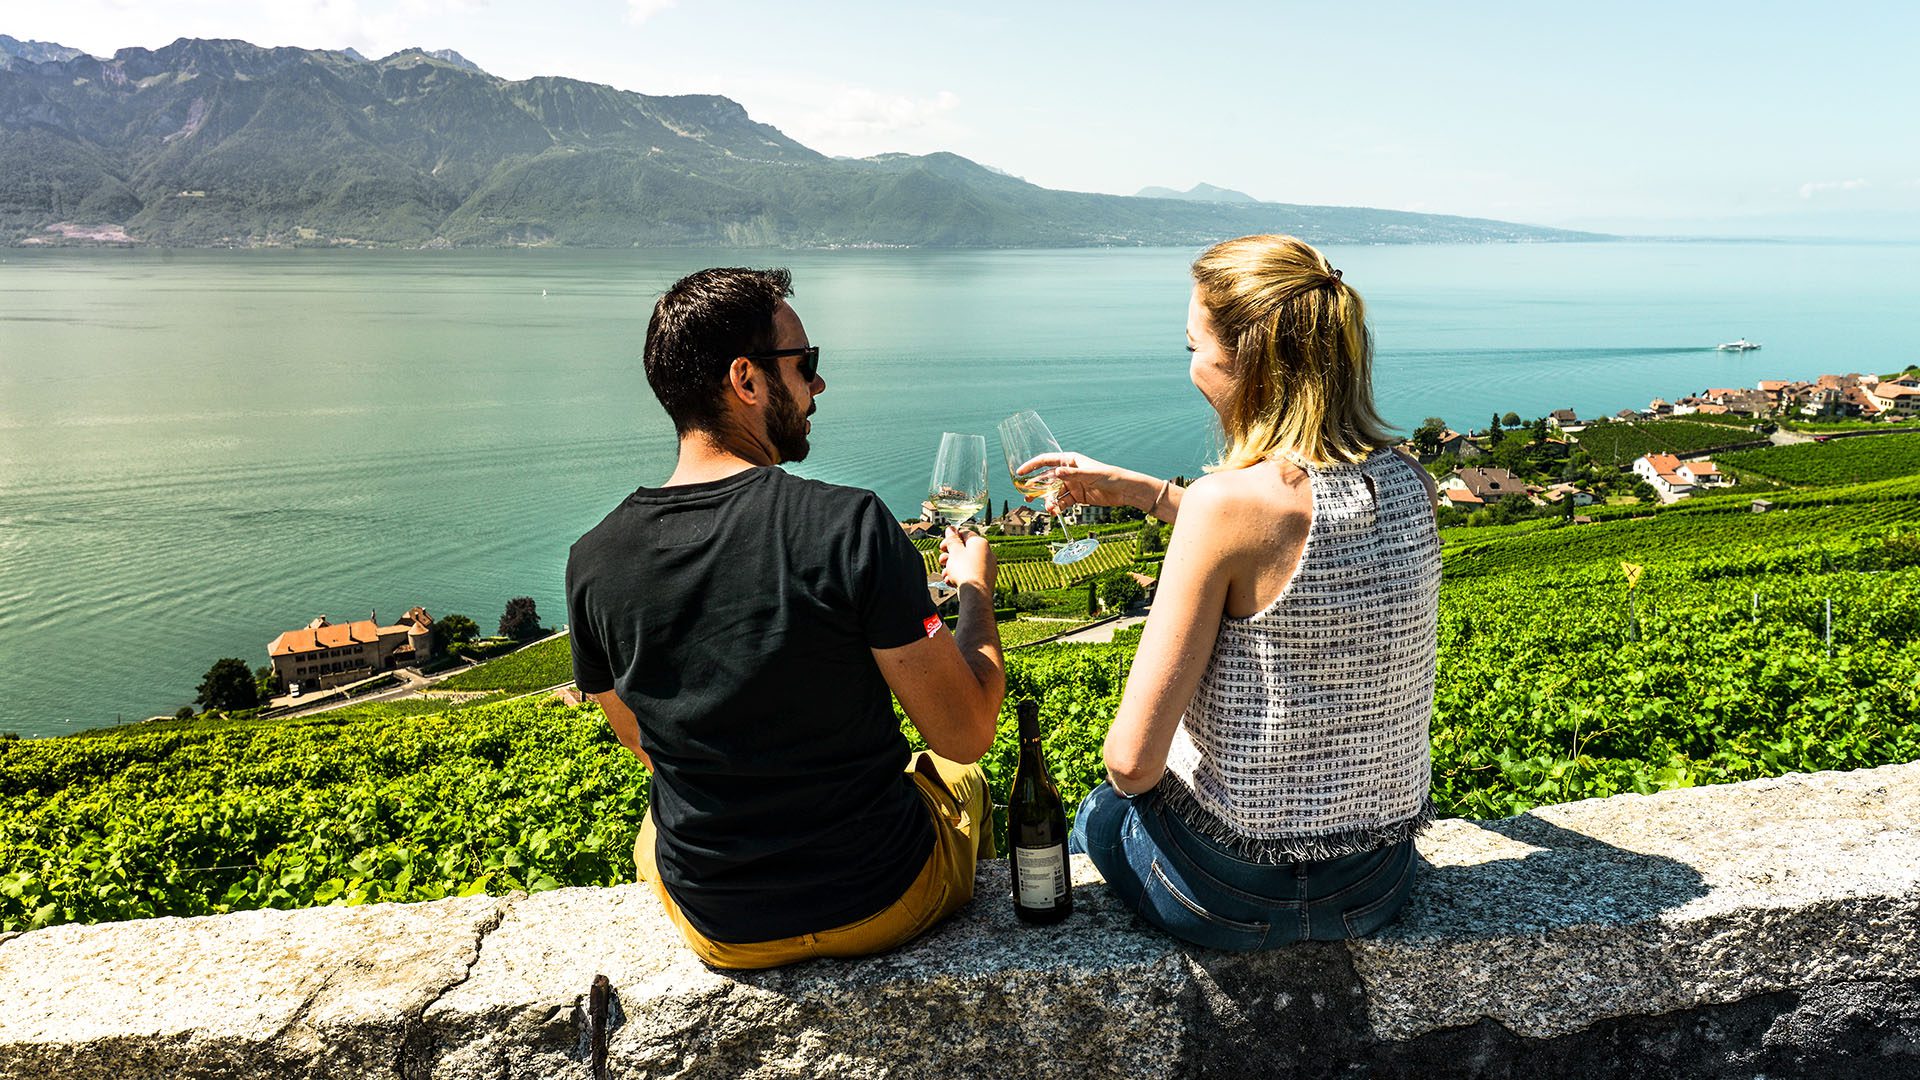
[1084,480]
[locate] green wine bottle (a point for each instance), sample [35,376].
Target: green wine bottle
[1037,830]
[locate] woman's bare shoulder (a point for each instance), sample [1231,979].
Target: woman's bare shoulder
[1254,499]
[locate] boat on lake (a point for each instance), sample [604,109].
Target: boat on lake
[1743,345]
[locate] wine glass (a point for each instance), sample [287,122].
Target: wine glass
[1024,436]
[957,491]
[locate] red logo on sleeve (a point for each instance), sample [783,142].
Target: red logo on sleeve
[932,624]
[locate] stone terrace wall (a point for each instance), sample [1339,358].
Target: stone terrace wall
[1760,929]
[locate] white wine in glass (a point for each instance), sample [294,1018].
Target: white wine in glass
[957,491]
[1024,436]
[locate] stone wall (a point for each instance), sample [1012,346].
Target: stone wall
[1759,929]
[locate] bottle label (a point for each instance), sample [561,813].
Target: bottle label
[1040,875]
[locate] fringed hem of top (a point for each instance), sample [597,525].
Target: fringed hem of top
[1288,849]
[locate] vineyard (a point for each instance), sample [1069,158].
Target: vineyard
[1552,685]
[1842,461]
[1619,443]
[369,803]
[535,667]
[1026,564]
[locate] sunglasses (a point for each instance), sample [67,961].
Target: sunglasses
[809,359]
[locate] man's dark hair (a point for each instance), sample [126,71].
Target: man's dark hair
[705,320]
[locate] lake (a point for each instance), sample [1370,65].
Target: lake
[199,450]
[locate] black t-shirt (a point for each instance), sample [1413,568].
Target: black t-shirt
[735,619]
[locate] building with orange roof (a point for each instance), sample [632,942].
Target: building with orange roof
[1676,479]
[324,653]
[1894,398]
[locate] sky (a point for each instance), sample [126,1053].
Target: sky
[1750,119]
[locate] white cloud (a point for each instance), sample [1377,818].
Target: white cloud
[1814,187]
[639,11]
[858,121]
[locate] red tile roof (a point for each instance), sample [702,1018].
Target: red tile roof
[331,636]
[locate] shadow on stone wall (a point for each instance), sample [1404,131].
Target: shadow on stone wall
[1537,876]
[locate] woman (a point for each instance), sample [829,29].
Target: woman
[1268,768]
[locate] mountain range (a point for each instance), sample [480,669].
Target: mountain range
[219,142]
[1197,193]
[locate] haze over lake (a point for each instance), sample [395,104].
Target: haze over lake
[199,450]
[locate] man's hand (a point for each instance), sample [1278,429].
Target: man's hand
[967,559]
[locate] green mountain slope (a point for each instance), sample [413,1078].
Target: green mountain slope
[212,142]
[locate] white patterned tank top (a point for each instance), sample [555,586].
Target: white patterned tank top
[1308,736]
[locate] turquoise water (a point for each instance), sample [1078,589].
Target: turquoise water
[199,450]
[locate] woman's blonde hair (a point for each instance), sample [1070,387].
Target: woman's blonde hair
[1302,379]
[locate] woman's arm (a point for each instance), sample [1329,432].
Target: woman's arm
[1177,641]
[1084,480]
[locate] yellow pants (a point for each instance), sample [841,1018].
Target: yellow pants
[962,809]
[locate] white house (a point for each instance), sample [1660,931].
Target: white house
[1676,479]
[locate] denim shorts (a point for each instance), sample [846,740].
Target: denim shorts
[1196,889]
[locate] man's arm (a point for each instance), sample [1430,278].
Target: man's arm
[951,685]
[626,726]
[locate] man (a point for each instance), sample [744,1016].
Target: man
[742,628]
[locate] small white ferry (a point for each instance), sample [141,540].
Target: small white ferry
[1743,345]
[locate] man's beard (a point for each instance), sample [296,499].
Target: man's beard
[786,424]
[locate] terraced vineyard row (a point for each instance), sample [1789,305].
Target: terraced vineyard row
[1842,461]
[1774,538]
[1619,443]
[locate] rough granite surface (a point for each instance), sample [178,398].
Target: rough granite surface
[1762,929]
[318,993]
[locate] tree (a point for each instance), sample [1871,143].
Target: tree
[1540,431]
[1093,605]
[1120,591]
[1512,508]
[520,621]
[263,681]
[1003,508]
[451,630]
[1511,419]
[1426,437]
[1151,540]
[1493,430]
[228,686]
[1511,454]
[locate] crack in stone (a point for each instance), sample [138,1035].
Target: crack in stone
[299,1014]
[413,1028]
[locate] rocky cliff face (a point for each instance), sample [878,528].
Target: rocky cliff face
[1768,928]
